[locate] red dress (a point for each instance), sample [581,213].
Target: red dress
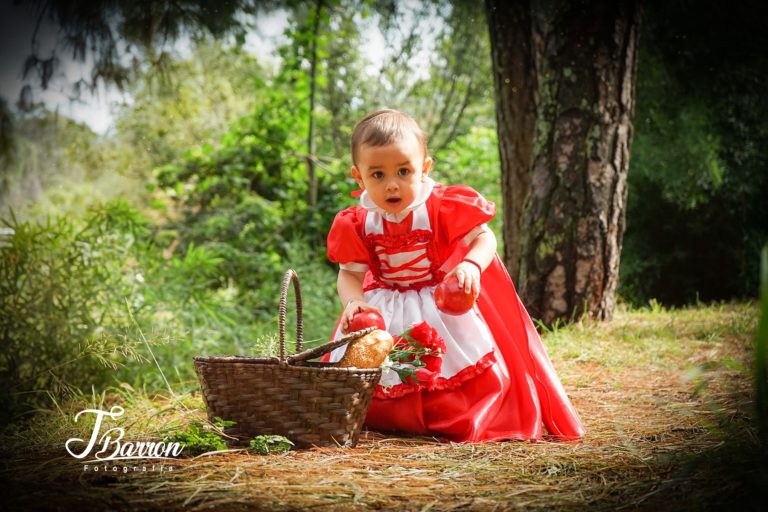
[496,381]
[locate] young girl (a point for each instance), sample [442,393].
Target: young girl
[406,236]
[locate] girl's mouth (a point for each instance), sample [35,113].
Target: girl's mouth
[393,200]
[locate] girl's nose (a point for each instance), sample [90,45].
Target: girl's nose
[392,185]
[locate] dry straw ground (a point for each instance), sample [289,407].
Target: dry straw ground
[665,396]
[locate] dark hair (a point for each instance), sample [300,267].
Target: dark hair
[384,127]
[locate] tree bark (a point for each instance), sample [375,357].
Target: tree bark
[571,228]
[515,83]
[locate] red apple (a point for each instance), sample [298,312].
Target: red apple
[451,299]
[363,319]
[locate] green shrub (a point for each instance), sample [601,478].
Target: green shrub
[198,438]
[270,444]
[63,292]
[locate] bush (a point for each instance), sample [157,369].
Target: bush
[63,292]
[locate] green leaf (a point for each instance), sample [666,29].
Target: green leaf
[265,444]
[197,438]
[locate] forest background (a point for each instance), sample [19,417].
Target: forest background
[173,228]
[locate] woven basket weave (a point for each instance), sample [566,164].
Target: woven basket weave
[310,403]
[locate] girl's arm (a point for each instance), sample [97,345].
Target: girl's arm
[350,288]
[481,251]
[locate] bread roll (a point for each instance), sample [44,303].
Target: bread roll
[368,351]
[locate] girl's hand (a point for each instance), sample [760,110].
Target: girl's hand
[354,306]
[468,277]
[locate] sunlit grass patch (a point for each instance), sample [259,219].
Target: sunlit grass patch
[650,337]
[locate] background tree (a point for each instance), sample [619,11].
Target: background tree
[583,56]
[123,38]
[514,74]
[59,165]
[436,67]
[207,91]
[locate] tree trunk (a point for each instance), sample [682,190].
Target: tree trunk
[585,56]
[514,76]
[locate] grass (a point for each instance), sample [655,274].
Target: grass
[666,396]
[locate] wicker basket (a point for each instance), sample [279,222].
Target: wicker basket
[310,403]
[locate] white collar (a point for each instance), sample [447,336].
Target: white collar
[367,203]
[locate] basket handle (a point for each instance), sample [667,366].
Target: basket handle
[290,276]
[311,353]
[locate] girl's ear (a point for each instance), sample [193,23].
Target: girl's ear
[358,177]
[427,167]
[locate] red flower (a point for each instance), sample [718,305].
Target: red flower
[428,337]
[432,363]
[437,345]
[417,355]
[422,333]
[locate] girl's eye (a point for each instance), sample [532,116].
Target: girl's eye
[378,175]
[404,171]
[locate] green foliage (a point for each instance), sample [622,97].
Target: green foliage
[696,214]
[59,166]
[79,296]
[270,444]
[200,437]
[677,145]
[552,329]
[90,33]
[62,293]
[205,92]
[761,353]
[203,437]
[245,198]
[447,93]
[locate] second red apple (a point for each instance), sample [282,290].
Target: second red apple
[451,299]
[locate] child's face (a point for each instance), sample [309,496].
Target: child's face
[394,174]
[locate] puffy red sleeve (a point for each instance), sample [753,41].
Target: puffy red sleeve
[345,246]
[462,210]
